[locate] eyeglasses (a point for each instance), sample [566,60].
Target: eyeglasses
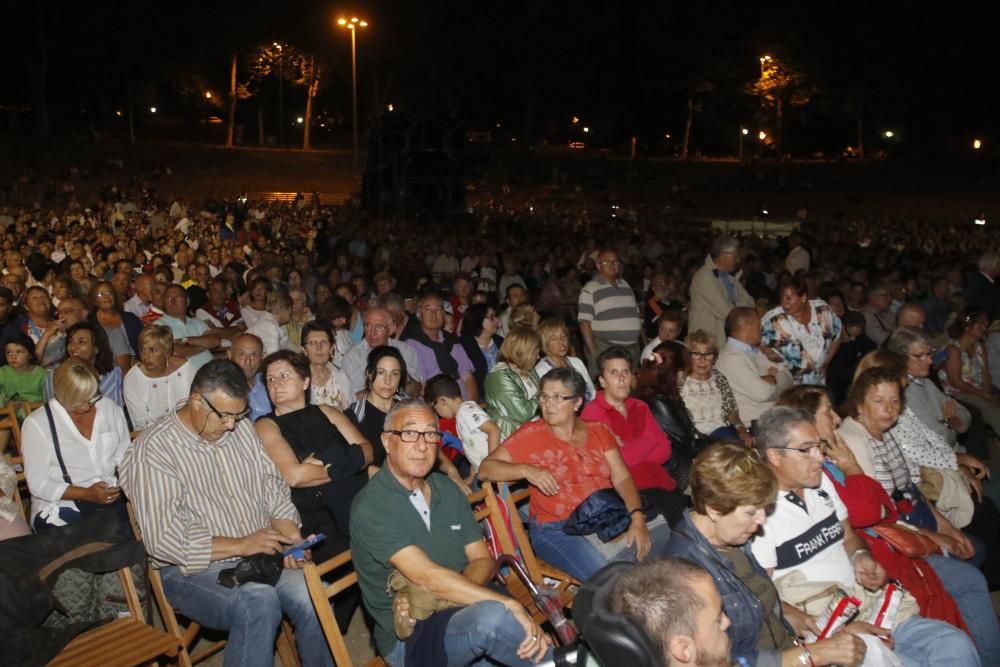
[93,400]
[409,436]
[810,448]
[225,416]
[376,327]
[557,398]
[703,355]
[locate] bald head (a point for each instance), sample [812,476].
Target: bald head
[911,315]
[743,324]
[379,326]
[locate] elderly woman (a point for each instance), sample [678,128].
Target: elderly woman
[301,315]
[966,373]
[480,341]
[160,380]
[512,385]
[328,383]
[658,385]
[121,327]
[558,353]
[87,341]
[707,394]
[868,504]
[565,460]
[72,449]
[731,489]
[806,333]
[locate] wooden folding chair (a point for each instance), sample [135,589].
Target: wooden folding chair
[321,592]
[188,635]
[10,411]
[539,571]
[124,642]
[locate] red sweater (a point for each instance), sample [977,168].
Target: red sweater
[644,446]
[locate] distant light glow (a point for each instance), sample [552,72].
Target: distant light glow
[745,131]
[118,113]
[391,108]
[208,94]
[889,134]
[576,120]
[586,129]
[980,221]
[762,135]
[152,109]
[764,211]
[667,135]
[299,120]
[977,144]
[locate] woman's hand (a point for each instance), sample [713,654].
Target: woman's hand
[975,466]
[102,494]
[975,486]
[841,455]
[543,480]
[800,621]
[638,536]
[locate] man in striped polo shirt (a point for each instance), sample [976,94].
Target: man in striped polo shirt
[608,313]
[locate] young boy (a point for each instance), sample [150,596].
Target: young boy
[479,434]
[668,327]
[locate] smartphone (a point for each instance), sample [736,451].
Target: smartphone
[297,550]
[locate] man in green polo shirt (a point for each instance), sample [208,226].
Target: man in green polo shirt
[418,522]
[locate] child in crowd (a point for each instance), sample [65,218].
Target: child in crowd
[479,434]
[668,328]
[22,377]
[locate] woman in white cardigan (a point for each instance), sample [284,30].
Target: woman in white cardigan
[91,437]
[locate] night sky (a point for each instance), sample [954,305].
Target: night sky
[623,68]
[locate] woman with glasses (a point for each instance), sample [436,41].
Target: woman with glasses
[480,341]
[72,449]
[161,379]
[512,386]
[329,385]
[87,341]
[121,327]
[565,460]
[321,455]
[707,394]
[730,490]
[558,353]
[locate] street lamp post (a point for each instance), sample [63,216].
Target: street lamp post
[743,132]
[281,95]
[353,25]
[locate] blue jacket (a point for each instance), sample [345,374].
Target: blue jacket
[743,608]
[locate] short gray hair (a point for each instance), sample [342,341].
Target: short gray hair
[903,337]
[774,428]
[723,244]
[406,404]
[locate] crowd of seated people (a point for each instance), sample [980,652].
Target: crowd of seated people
[260,368]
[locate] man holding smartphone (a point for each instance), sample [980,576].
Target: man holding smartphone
[206,494]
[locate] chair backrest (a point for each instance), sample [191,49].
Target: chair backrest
[10,412]
[513,500]
[320,592]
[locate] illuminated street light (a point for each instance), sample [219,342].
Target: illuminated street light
[299,120]
[575,120]
[977,144]
[118,113]
[762,135]
[208,95]
[353,26]
[745,131]
[152,109]
[390,108]
[586,130]
[889,134]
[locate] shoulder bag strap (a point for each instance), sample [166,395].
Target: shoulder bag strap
[55,443]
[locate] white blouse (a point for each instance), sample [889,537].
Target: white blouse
[88,461]
[336,391]
[148,399]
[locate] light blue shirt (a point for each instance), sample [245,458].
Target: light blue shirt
[748,350]
[258,401]
[191,326]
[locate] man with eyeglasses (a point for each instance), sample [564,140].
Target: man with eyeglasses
[809,533]
[206,494]
[608,313]
[379,330]
[419,523]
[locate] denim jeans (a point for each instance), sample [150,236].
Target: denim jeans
[574,554]
[967,586]
[250,614]
[484,633]
[922,642]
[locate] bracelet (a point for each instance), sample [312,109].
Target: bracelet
[805,658]
[859,551]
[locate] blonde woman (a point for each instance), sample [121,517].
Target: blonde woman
[160,380]
[512,385]
[559,353]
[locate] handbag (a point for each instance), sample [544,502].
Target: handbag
[603,513]
[906,541]
[949,489]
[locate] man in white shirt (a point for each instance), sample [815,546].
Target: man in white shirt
[379,330]
[798,257]
[270,327]
[808,532]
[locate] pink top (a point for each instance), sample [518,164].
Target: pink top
[579,470]
[644,446]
